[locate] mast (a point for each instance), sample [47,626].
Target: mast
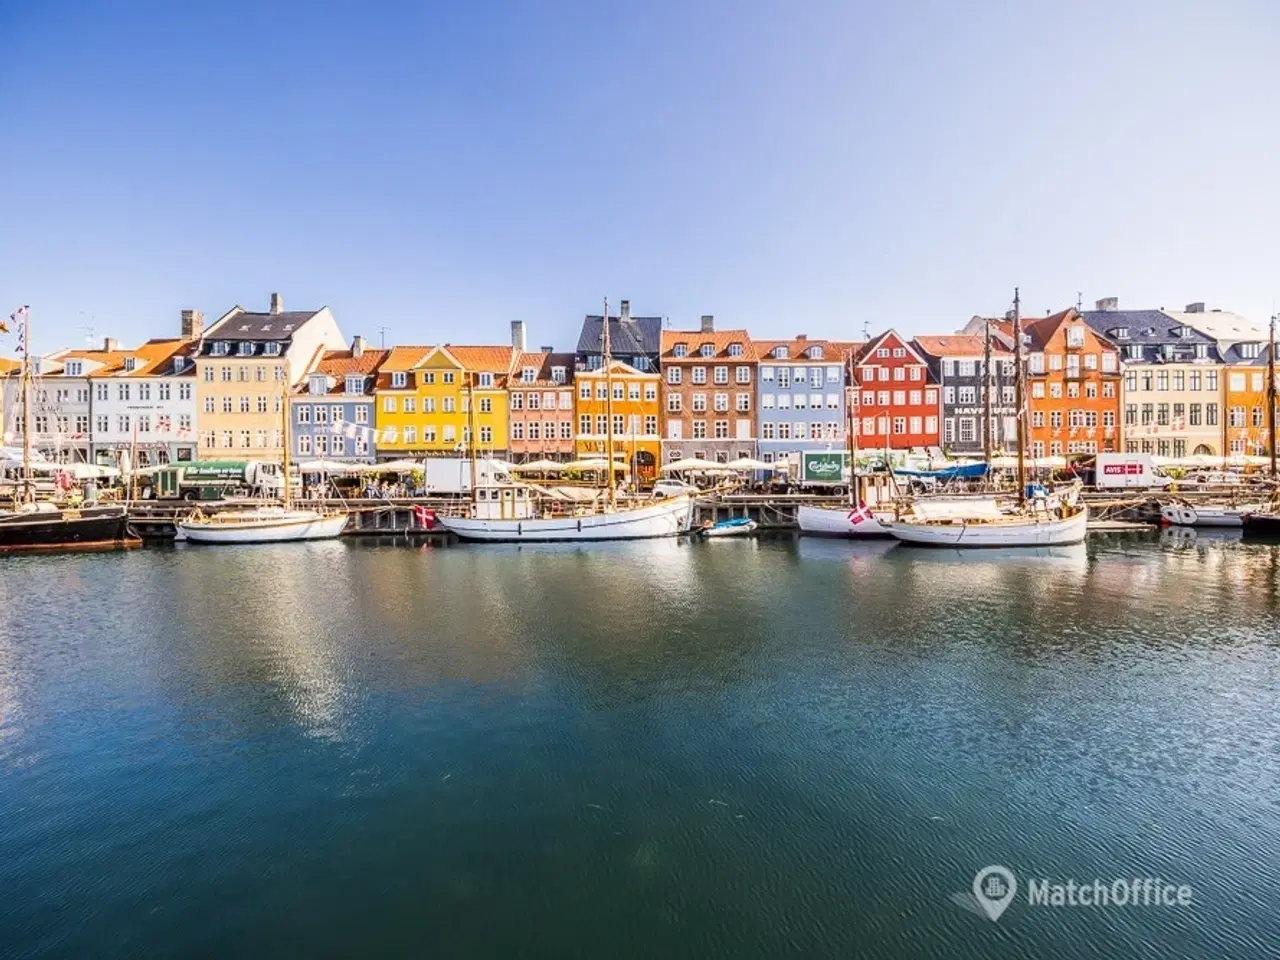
[986,391]
[28,488]
[1020,398]
[851,431]
[1271,395]
[471,428]
[284,436]
[608,404]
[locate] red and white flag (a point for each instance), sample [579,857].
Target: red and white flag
[860,514]
[425,516]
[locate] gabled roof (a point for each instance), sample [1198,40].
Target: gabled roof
[109,361]
[337,364]
[959,345]
[795,349]
[542,361]
[240,324]
[719,340]
[482,359]
[403,359]
[630,337]
[871,346]
[155,357]
[617,366]
[1223,325]
[1041,331]
[847,348]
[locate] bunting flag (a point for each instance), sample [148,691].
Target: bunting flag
[350,431]
[18,316]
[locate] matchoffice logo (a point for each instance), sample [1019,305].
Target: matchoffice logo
[995,887]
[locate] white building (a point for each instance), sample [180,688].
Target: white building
[146,404]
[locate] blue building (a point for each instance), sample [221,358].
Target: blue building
[332,415]
[800,398]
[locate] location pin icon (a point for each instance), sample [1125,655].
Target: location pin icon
[994,888]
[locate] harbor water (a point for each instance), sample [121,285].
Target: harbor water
[732,748]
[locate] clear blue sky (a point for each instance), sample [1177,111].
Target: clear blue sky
[444,168]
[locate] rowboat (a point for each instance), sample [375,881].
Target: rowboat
[1185,515]
[736,527]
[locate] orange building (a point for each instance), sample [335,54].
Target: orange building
[1073,386]
[1245,381]
[636,413]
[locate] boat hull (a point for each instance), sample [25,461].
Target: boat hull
[1037,532]
[735,530]
[273,530]
[666,519]
[827,522]
[1201,516]
[92,528]
[1262,526]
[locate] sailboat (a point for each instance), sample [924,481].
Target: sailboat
[268,523]
[33,525]
[509,511]
[1264,524]
[854,519]
[1041,521]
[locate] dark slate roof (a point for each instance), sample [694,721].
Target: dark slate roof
[1232,354]
[260,326]
[1150,329]
[635,336]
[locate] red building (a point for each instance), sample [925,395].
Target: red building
[896,395]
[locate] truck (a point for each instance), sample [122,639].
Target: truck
[1115,471]
[451,476]
[216,480]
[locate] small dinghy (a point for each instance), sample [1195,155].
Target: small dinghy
[737,527]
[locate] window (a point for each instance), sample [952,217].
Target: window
[486,382]
[304,443]
[244,404]
[721,375]
[968,396]
[1075,335]
[1211,380]
[1249,351]
[650,391]
[633,391]
[967,369]
[1055,390]
[227,404]
[1162,414]
[699,375]
[1235,383]
[1210,414]
[899,424]
[721,430]
[1035,364]
[899,352]
[967,434]
[680,350]
[883,374]
[447,377]
[899,373]
[303,413]
[699,430]
[1037,389]
[1235,417]
[1108,363]
[799,402]
[868,426]
[1055,361]
[1258,419]
[949,395]
[1037,419]
[1055,418]
[220,349]
[388,404]
[448,404]
[242,374]
[399,379]
[1256,380]
[699,404]
[1194,418]
[102,423]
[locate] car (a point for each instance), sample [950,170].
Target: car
[673,488]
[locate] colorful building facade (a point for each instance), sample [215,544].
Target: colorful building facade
[636,417]
[801,398]
[541,406]
[709,384]
[146,407]
[897,397]
[964,368]
[331,414]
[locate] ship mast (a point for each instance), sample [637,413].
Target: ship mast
[852,433]
[1020,398]
[986,397]
[608,403]
[28,488]
[1271,395]
[284,436]
[471,429]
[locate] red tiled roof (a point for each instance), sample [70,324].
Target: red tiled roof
[796,347]
[958,345]
[482,359]
[719,340]
[338,363]
[542,361]
[403,358]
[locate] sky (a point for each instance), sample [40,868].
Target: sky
[800,166]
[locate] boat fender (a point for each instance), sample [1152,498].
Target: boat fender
[1187,517]
[520,529]
[1169,514]
[579,524]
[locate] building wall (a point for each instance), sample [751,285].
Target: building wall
[121,404]
[238,403]
[898,401]
[1052,383]
[639,409]
[61,424]
[1173,409]
[963,404]
[1245,410]
[691,396]
[553,415]
[313,433]
[781,383]
[429,416]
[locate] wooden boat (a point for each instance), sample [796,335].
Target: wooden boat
[266,523]
[838,522]
[736,527]
[45,526]
[512,513]
[1261,526]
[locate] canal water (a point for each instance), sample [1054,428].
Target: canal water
[733,748]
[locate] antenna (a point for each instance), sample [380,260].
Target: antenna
[1079,301]
[866,330]
[382,337]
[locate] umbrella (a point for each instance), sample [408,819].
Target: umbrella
[1049,463]
[747,463]
[593,464]
[391,466]
[329,466]
[691,463]
[540,466]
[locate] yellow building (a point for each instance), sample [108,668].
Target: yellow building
[423,399]
[243,363]
[636,413]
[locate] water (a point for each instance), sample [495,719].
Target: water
[660,749]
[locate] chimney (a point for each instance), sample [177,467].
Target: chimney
[626,310]
[192,324]
[802,336]
[519,339]
[110,344]
[546,349]
[1108,304]
[708,322]
[1197,307]
[357,346]
[277,303]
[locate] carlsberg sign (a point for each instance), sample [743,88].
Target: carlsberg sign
[824,467]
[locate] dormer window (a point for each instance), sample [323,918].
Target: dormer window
[246,349]
[266,327]
[815,353]
[1166,349]
[1135,351]
[528,374]
[1150,331]
[244,328]
[1120,333]
[1075,336]
[707,350]
[1202,351]
[486,380]
[179,364]
[398,379]
[288,328]
[781,353]
[355,385]
[1249,351]
[680,351]
[319,384]
[130,364]
[735,349]
[75,368]
[557,374]
[219,348]
[271,349]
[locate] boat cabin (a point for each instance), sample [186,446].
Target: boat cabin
[503,502]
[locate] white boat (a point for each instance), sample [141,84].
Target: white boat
[982,523]
[265,524]
[736,527]
[838,522]
[1185,515]
[511,513]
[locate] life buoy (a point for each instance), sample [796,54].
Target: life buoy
[1187,517]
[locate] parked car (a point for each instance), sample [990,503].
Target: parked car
[673,488]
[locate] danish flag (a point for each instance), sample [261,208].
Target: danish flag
[425,516]
[860,514]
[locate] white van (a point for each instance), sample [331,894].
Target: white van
[1128,471]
